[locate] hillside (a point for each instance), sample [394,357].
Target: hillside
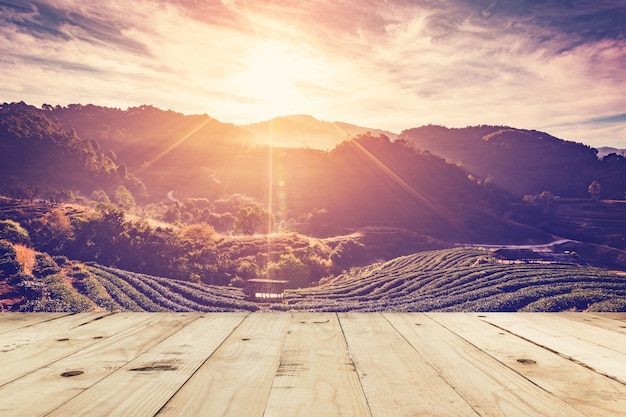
[523,161]
[602,222]
[606,150]
[164,157]
[443,280]
[159,156]
[34,281]
[165,149]
[210,211]
[466,280]
[373,181]
[304,131]
[38,151]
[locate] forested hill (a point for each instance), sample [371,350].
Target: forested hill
[165,149]
[373,181]
[368,180]
[524,162]
[140,135]
[37,150]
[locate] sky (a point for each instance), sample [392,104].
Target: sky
[554,66]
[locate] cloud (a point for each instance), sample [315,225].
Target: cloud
[49,20]
[614,118]
[390,64]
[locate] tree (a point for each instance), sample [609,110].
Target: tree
[199,260]
[253,219]
[595,189]
[103,238]
[30,192]
[58,195]
[124,198]
[199,236]
[9,264]
[291,269]
[52,232]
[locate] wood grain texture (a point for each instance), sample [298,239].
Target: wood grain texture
[315,375]
[62,380]
[30,348]
[12,321]
[491,389]
[397,380]
[556,337]
[615,316]
[596,320]
[313,364]
[236,380]
[578,386]
[144,385]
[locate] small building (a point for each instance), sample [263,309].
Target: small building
[267,290]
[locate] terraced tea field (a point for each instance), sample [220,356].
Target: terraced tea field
[138,292]
[465,280]
[444,280]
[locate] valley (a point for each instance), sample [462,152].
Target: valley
[151,210]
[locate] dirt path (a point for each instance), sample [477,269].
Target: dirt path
[544,247]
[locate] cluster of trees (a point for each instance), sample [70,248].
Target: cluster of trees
[193,252]
[234,214]
[37,151]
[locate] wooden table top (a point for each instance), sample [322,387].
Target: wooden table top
[312,364]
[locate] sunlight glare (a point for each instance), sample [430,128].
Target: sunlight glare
[277,75]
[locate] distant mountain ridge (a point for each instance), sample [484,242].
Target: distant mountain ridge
[607,150]
[37,149]
[522,162]
[304,131]
[370,179]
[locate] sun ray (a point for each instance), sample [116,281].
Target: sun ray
[177,143]
[397,179]
[270,187]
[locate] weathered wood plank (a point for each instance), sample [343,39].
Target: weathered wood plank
[614,316]
[11,321]
[397,380]
[596,320]
[57,383]
[315,376]
[268,364]
[236,380]
[24,336]
[490,388]
[609,339]
[144,385]
[30,348]
[599,358]
[591,393]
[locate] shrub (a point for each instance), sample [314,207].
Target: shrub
[45,265]
[8,260]
[13,232]
[61,260]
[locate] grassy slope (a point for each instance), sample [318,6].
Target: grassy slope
[603,222]
[465,280]
[442,280]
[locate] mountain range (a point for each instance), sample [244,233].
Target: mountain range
[430,179]
[318,197]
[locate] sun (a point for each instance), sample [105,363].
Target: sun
[273,68]
[279,76]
